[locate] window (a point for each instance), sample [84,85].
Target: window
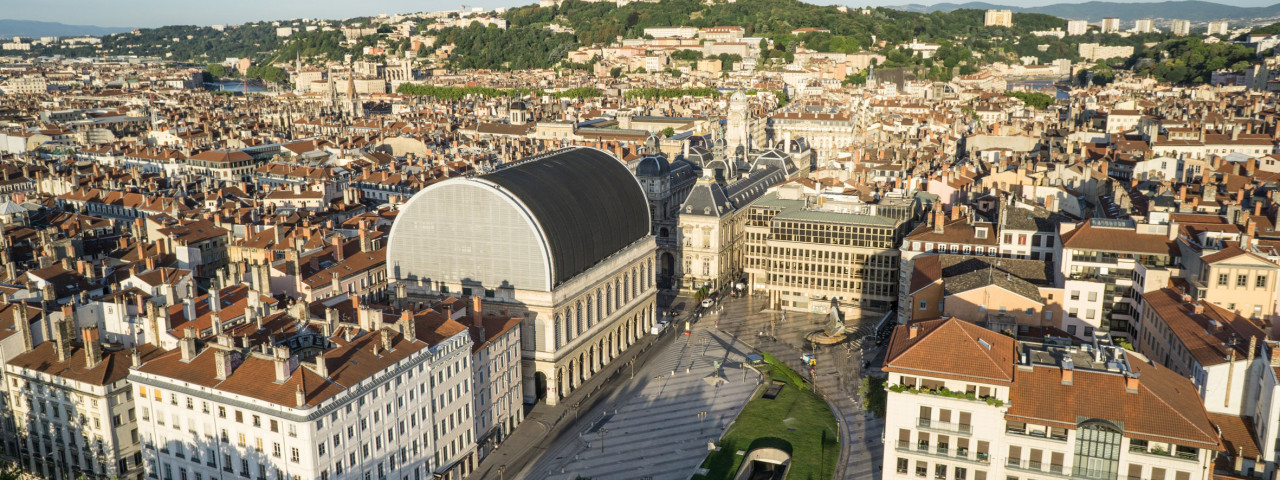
[1097,450]
[1222,279]
[1261,281]
[924,304]
[1075,295]
[1242,280]
[922,469]
[1093,296]
[961,473]
[940,471]
[903,465]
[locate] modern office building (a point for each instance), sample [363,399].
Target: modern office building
[803,250]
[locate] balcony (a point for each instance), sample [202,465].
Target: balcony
[951,427]
[1160,452]
[943,451]
[1035,467]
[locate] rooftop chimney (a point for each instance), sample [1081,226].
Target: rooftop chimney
[23,324]
[1131,383]
[62,336]
[913,331]
[337,248]
[1198,308]
[300,397]
[222,364]
[188,344]
[386,339]
[1068,370]
[92,346]
[281,359]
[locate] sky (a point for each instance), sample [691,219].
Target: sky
[155,13]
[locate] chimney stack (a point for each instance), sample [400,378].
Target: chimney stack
[1198,308]
[1131,383]
[92,346]
[913,331]
[281,354]
[188,344]
[62,335]
[23,324]
[337,248]
[386,339]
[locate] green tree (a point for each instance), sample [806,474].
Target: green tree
[615,72]
[668,132]
[874,396]
[216,69]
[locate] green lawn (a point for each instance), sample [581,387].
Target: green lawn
[797,421]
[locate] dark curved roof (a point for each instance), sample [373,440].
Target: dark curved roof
[588,203]
[653,166]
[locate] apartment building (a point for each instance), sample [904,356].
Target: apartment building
[998,18]
[1098,261]
[368,397]
[72,404]
[966,403]
[1229,362]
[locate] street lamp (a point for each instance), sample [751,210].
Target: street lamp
[501,472]
[602,433]
[702,420]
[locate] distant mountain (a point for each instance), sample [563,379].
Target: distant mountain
[31,28]
[1193,10]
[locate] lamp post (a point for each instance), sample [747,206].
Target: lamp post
[702,421]
[502,472]
[602,433]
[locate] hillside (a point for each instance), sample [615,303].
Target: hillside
[1193,10]
[31,28]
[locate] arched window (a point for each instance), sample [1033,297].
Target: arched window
[559,331]
[591,317]
[579,319]
[1097,450]
[608,300]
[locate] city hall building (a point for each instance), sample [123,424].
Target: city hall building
[562,239]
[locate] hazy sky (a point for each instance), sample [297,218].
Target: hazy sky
[152,13]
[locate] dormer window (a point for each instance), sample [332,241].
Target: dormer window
[980,232]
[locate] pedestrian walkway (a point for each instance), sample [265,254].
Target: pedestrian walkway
[659,426]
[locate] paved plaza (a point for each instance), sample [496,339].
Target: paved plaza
[637,420]
[652,429]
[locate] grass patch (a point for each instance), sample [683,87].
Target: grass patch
[780,371]
[798,422]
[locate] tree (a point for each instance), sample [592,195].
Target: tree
[701,293]
[874,396]
[615,72]
[668,132]
[216,69]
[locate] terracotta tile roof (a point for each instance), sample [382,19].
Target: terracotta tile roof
[113,366]
[1232,251]
[1090,237]
[952,348]
[1238,434]
[1206,335]
[1165,407]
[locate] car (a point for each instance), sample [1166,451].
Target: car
[707,303]
[656,329]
